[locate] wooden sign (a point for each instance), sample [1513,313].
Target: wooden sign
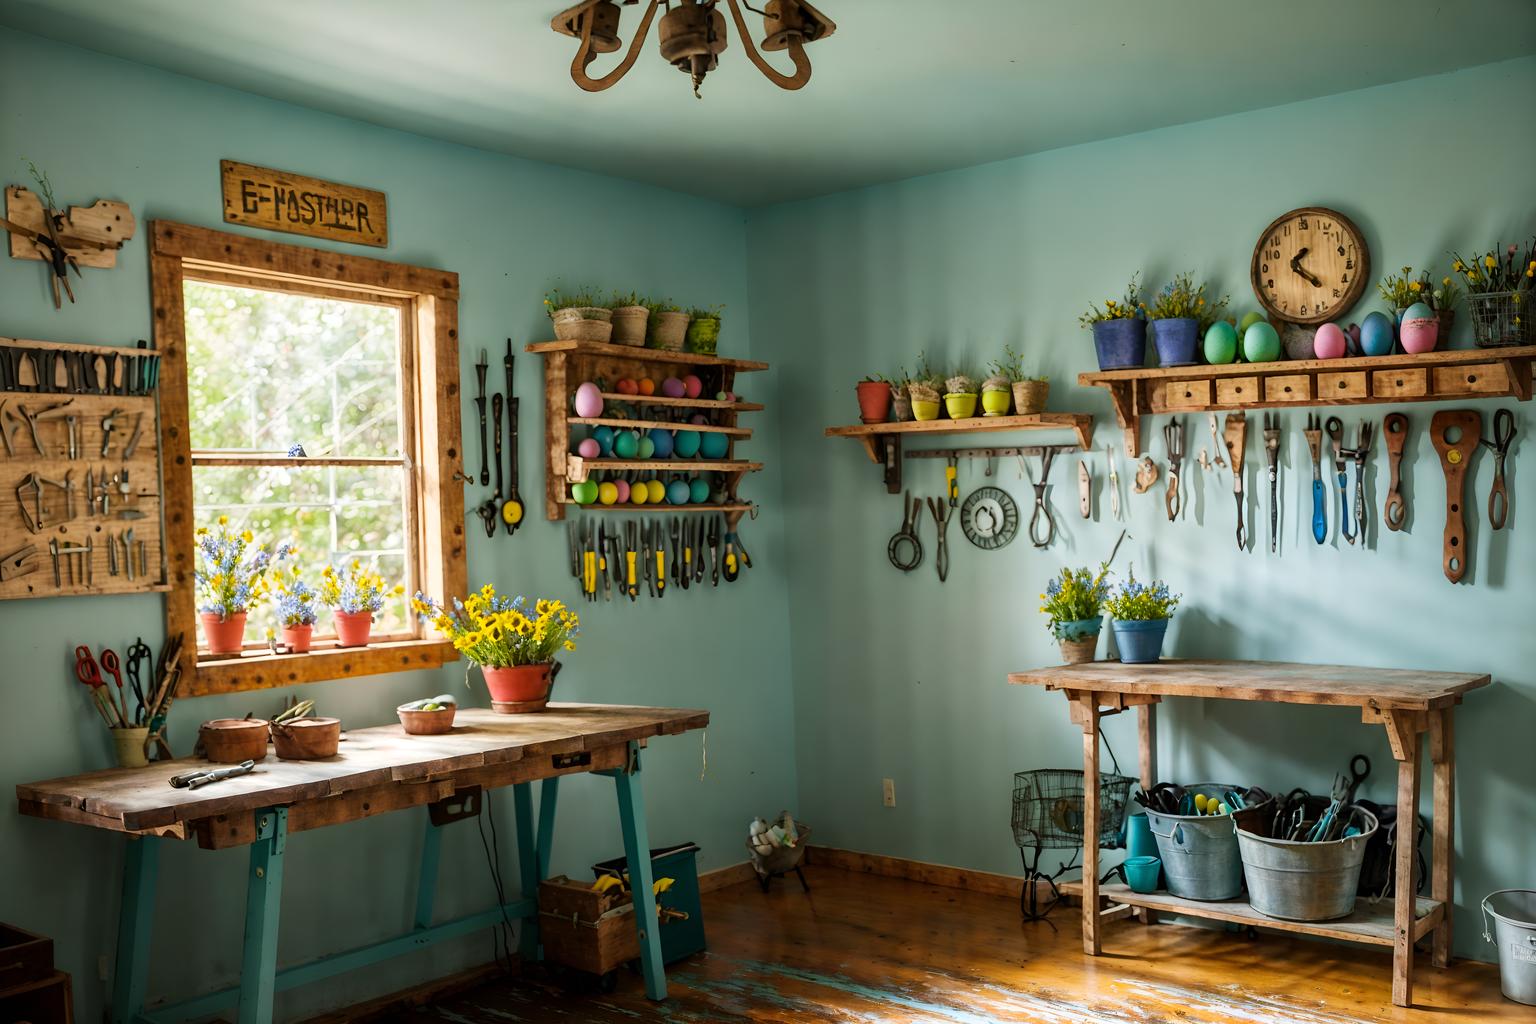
[263,198]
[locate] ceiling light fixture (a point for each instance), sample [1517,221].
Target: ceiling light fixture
[692,36]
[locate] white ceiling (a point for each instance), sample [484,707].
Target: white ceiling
[905,87]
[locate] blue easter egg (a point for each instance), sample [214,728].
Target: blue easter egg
[677,492]
[604,438]
[714,445]
[662,441]
[1418,311]
[698,490]
[1376,334]
[685,445]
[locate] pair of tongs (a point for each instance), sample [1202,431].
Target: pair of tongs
[202,777]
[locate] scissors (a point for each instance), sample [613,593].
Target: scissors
[1173,437]
[140,654]
[1047,456]
[113,667]
[941,513]
[87,671]
[1503,437]
[905,550]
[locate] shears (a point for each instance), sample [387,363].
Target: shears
[1047,456]
[1173,437]
[1503,437]
[89,673]
[140,654]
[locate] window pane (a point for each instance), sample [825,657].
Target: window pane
[329,514]
[267,370]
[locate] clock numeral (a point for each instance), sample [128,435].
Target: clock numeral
[1274,239]
[1264,269]
[1285,229]
[1303,309]
[1341,250]
[1336,293]
[1270,284]
[1349,264]
[1303,225]
[1284,304]
[1343,279]
[1322,307]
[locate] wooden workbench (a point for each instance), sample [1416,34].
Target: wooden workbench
[377,770]
[1407,703]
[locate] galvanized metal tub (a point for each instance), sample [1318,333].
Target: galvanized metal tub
[1514,915]
[1296,881]
[1199,852]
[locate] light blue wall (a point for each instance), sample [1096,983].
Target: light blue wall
[103,127]
[897,676]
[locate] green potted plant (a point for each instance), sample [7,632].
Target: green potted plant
[1029,392]
[297,607]
[668,326]
[1180,314]
[514,642]
[1074,602]
[578,315]
[631,314]
[1499,294]
[874,394]
[960,395]
[703,335]
[230,578]
[924,390]
[901,398]
[1119,329]
[355,595]
[1141,612]
[996,391]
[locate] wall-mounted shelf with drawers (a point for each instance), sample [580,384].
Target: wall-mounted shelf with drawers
[1368,380]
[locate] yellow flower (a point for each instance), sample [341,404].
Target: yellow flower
[223,520]
[1490,262]
[1416,286]
[1457,266]
[1446,281]
[1471,275]
[247,536]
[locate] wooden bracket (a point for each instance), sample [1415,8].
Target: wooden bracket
[1403,728]
[104,226]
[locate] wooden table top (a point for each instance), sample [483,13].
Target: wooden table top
[1273,681]
[142,798]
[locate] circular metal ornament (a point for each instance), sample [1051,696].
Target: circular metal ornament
[990,518]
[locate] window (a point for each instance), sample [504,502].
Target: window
[266,346]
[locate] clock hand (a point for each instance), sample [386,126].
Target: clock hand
[1297,267]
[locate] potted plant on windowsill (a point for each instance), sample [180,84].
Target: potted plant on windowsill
[355,595]
[578,316]
[1119,329]
[630,314]
[1074,600]
[703,335]
[1141,612]
[512,640]
[297,605]
[874,394]
[230,579]
[1179,315]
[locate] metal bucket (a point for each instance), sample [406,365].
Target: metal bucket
[1514,915]
[1199,852]
[1305,881]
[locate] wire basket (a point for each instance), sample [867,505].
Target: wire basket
[1048,808]
[1502,318]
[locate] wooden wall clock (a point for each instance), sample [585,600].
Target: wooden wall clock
[1310,266]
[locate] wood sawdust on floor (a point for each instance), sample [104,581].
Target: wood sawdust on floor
[862,948]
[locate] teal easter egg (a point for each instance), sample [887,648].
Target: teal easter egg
[661,441]
[1261,342]
[626,444]
[1418,311]
[685,445]
[698,490]
[646,448]
[1220,343]
[677,492]
[1376,334]
[604,437]
[714,445]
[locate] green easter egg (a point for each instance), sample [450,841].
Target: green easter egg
[1220,343]
[1261,343]
[585,492]
[1248,320]
[626,444]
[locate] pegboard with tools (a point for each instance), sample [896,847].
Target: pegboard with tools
[80,451]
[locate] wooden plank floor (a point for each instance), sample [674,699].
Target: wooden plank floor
[861,948]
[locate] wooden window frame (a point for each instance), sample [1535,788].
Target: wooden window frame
[429,311]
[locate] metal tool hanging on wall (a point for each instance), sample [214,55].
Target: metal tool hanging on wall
[1235,436]
[1216,459]
[1042,507]
[1173,439]
[512,507]
[940,508]
[1503,438]
[1314,436]
[480,368]
[1351,515]
[1335,428]
[905,550]
[1084,489]
[1272,464]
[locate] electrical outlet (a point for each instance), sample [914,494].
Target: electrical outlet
[889,792]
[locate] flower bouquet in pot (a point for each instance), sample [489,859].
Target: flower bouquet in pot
[703,334]
[1180,314]
[1141,612]
[1499,294]
[354,594]
[960,395]
[1423,312]
[901,397]
[230,578]
[298,606]
[1074,600]
[578,315]
[512,640]
[1119,329]
[924,389]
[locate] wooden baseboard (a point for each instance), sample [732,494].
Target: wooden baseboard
[917,871]
[723,878]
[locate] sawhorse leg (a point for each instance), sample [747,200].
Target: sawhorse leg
[1442,752]
[637,853]
[1088,718]
[1405,732]
[263,900]
[135,929]
[426,883]
[533,852]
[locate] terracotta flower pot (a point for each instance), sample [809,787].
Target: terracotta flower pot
[296,638]
[232,740]
[306,739]
[352,628]
[874,401]
[225,635]
[517,688]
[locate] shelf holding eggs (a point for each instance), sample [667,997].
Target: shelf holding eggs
[632,488]
[607,442]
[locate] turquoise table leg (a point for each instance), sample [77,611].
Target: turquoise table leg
[527,868]
[263,900]
[426,885]
[548,794]
[134,929]
[637,852]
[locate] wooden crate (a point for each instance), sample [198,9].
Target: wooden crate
[49,1000]
[24,956]
[586,930]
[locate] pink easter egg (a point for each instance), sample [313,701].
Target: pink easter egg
[589,449]
[1419,334]
[623,486]
[673,388]
[589,401]
[698,419]
[692,386]
[1329,342]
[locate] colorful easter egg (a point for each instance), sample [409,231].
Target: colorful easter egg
[658,491]
[661,442]
[673,388]
[585,492]
[677,492]
[647,386]
[692,386]
[685,444]
[1220,343]
[1376,334]
[626,443]
[607,492]
[621,488]
[1420,330]
[1329,342]
[698,490]
[589,449]
[1261,342]
[604,437]
[714,445]
[626,386]
[646,449]
[639,494]
[589,401]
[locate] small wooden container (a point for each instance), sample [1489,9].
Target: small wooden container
[306,739]
[417,722]
[233,740]
[24,957]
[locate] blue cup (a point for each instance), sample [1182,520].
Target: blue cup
[1138,836]
[1141,873]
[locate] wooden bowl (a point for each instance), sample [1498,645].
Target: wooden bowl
[233,740]
[426,723]
[306,739]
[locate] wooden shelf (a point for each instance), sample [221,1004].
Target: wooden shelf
[1457,374]
[736,506]
[683,403]
[704,428]
[1370,923]
[578,468]
[882,441]
[644,355]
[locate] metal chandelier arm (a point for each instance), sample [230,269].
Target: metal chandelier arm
[796,50]
[585,55]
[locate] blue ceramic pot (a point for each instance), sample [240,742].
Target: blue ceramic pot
[1177,340]
[1141,873]
[1138,836]
[1120,344]
[1140,642]
[1079,629]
